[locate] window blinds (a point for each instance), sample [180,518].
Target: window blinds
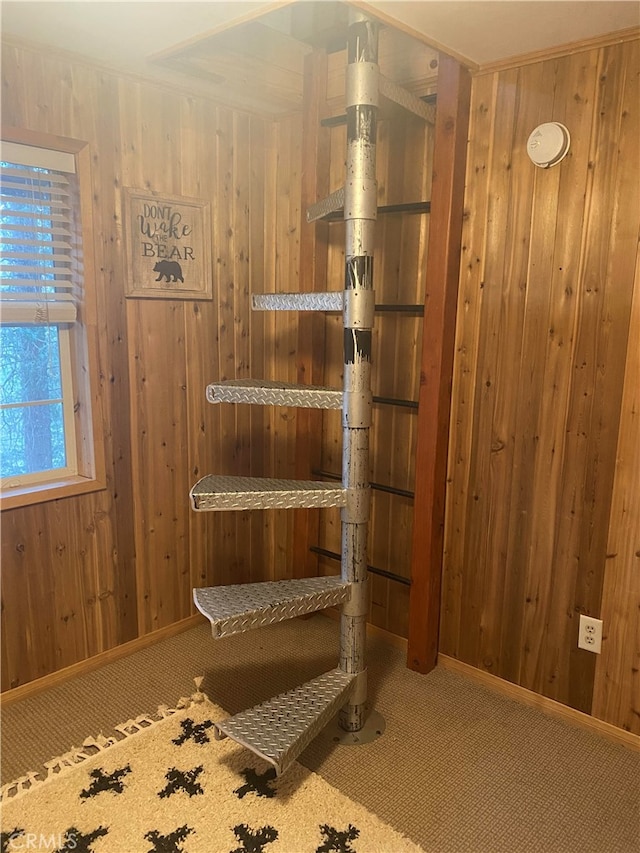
[40,268]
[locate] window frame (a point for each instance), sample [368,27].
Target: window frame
[83,352]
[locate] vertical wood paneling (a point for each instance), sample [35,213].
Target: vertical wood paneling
[115,547]
[260,568]
[541,343]
[616,697]
[546,346]
[617,682]
[158,433]
[314,238]
[43,628]
[71,586]
[282,252]
[471,293]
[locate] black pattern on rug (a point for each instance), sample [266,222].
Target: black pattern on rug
[257,783]
[193,731]
[253,840]
[7,839]
[105,782]
[128,829]
[80,842]
[168,843]
[336,841]
[182,780]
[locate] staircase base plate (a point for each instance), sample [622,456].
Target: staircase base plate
[374,727]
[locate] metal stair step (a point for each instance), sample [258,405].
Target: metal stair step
[228,493]
[319,301]
[325,206]
[268,393]
[241,607]
[281,728]
[393,92]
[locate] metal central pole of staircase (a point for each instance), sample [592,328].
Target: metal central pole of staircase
[360,214]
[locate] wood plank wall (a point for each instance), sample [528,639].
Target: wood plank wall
[545,388]
[82,575]
[542,511]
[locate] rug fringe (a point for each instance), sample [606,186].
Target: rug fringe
[93,745]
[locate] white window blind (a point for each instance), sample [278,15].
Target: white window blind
[40,267]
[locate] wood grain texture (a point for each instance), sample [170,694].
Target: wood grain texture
[77,597]
[541,345]
[616,695]
[314,240]
[436,364]
[85,574]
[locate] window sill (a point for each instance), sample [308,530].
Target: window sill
[66,487]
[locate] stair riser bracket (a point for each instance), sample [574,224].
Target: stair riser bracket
[362,84]
[358,508]
[356,409]
[359,302]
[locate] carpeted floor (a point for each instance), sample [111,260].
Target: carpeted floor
[169,786]
[459,769]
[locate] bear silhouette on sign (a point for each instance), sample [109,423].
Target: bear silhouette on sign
[170,270]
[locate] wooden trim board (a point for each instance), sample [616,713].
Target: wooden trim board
[506,688]
[511,691]
[32,688]
[542,703]
[630,34]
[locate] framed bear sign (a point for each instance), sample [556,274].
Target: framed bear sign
[167,245]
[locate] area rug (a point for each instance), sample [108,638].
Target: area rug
[165,785]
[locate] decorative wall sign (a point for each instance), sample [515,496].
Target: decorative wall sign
[168,246]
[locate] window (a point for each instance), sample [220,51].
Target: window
[46,431]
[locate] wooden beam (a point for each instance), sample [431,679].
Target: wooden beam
[442,274]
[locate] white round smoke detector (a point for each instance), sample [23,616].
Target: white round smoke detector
[548,144]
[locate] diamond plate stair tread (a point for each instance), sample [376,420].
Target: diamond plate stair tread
[325,206]
[228,493]
[325,301]
[269,393]
[393,92]
[238,608]
[281,728]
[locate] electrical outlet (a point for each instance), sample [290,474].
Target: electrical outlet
[590,634]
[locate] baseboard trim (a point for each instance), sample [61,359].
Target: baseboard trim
[542,703]
[32,688]
[486,679]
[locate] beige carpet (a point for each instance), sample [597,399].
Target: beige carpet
[459,769]
[168,786]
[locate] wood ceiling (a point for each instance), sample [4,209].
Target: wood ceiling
[249,55]
[260,63]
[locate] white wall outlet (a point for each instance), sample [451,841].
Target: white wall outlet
[590,634]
